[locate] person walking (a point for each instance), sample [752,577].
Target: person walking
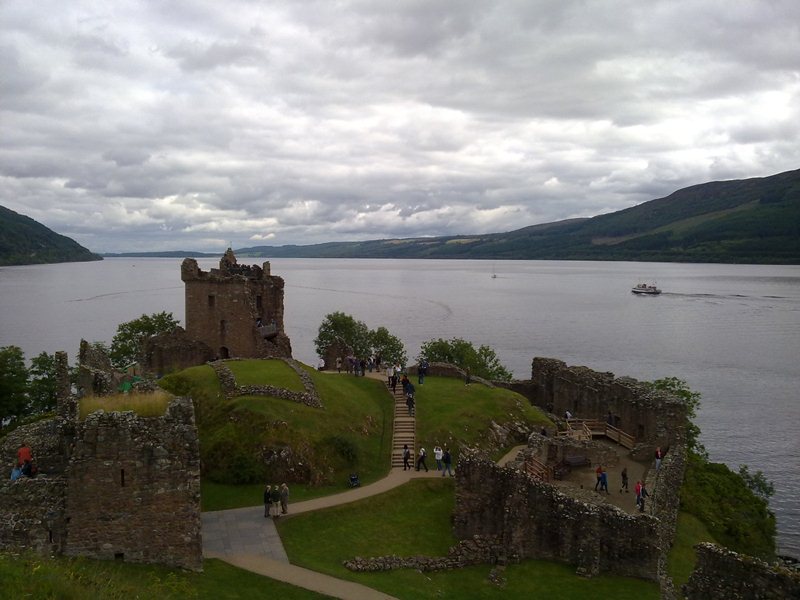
[624,485]
[447,460]
[598,472]
[638,490]
[284,499]
[642,495]
[421,459]
[410,404]
[422,370]
[339,364]
[438,453]
[659,456]
[406,458]
[24,454]
[604,482]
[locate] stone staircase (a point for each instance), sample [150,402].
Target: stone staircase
[404,428]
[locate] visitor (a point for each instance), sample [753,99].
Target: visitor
[543,432]
[23,454]
[422,370]
[642,495]
[438,453]
[467,377]
[16,473]
[284,498]
[405,383]
[447,460]
[339,364]
[275,499]
[598,472]
[390,373]
[321,364]
[604,482]
[659,456]
[267,500]
[362,364]
[624,485]
[406,458]
[410,404]
[421,459]
[567,415]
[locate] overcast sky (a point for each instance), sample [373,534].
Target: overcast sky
[193,125]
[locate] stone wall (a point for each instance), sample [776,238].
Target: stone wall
[229,387]
[223,305]
[724,575]
[169,352]
[530,519]
[652,417]
[133,488]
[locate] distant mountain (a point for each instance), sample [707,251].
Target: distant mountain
[742,221]
[165,254]
[24,241]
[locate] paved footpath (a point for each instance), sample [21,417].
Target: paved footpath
[244,538]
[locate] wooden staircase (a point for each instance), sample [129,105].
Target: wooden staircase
[404,431]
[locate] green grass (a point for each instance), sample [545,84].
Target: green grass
[415,519]
[265,372]
[144,404]
[31,576]
[451,413]
[682,556]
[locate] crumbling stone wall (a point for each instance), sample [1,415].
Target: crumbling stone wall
[530,519]
[175,351]
[231,389]
[652,417]
[133,488]
[223,305]
[721,574]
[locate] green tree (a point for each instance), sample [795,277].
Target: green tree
[341,328]
[42,383]
[680,388]
[389,347]
[127,343]
[482,362]
[13,384]
[757,482]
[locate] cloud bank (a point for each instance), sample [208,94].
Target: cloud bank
[133,126]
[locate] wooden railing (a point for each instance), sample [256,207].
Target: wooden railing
[538,470]
[586,429]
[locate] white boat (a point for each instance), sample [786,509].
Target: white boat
[646,289]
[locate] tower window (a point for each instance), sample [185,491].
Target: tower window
[211,301]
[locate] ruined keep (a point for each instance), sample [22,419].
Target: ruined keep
[111,486]
[236,310]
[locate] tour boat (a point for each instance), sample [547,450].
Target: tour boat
[644,288]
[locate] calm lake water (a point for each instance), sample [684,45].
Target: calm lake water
[731,331]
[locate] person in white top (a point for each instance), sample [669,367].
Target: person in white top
[438,453]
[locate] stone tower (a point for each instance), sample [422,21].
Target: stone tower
[237,309]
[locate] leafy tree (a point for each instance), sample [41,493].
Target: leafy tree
[13,383]
[42,383]
[757,482]
[338,327]
[389,347]
[680,388]
[482,362]
[127,343]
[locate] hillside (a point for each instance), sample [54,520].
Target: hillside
[742,221]
[24,241]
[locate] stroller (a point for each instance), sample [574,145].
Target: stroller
[354,481]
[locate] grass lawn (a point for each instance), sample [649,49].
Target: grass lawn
[415,519]
[265,372]
[682,556]
[77,579]
[144,404]
[449,412]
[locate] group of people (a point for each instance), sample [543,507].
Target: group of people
[442,456]
[24,466]
[357,366]
[276,500]
[602,485]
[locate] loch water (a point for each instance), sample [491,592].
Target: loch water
[731,331]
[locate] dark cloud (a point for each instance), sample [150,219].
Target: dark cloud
[133,126]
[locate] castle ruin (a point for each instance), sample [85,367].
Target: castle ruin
[112,486]
[236,310]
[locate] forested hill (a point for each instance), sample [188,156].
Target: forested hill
[24,241]
[743,221]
